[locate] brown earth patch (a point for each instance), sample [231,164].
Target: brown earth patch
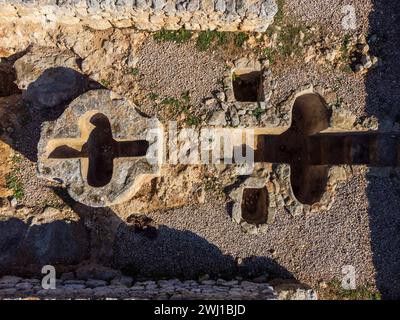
[5,168]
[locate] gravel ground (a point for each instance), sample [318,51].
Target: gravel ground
[203,239]
[37,192]
[328,13]
[169,69]
[349,87]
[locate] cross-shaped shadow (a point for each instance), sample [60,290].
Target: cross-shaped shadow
[99,149]
[310,148]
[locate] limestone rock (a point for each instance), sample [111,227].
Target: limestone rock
[254,205]
[93,283]
[5,168]
[52,237]
[145,14]
[67,152]
[177,186]
[49,77]
[342,119]
[55,238]
[31,65]
[217,119]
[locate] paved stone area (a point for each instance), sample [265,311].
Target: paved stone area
[12,287]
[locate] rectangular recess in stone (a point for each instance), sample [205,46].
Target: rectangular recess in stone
[248,85]
[255,205]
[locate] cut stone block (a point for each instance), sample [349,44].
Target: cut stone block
[224,15]
[100,148]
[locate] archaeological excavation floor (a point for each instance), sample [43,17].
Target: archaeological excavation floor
[189,231]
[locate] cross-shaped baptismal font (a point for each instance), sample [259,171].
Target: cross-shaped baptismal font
[98,149]
[310,147]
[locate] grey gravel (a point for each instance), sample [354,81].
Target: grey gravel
[169,69]
[329,13]
[195,239]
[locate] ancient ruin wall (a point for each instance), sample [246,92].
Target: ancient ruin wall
[223,15]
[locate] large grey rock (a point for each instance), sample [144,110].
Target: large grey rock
[56,238]
[52,237]
[55,87]
[49,77]
[12,231]
[94,283]
[218,119]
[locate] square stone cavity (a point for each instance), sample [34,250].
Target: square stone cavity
[254,205]
[248,85]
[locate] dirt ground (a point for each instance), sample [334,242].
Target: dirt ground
[5,168]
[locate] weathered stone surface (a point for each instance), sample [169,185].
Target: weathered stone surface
[5,167]
[162,289]
[54,87]
[13,280]
[49,77]
[93,283]
[152,15]
[55,237]
[51,237]
[73,129]
[122,281]
[31,65]
[176,186]
[290,291]
[217,119]
[12,231]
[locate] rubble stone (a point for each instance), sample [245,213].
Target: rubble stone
[162,289]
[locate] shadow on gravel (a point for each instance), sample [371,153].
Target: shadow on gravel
[383,101]
[184,254]
[160,251]
[101,237]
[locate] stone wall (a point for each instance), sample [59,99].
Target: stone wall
[224,15]
[68,287]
